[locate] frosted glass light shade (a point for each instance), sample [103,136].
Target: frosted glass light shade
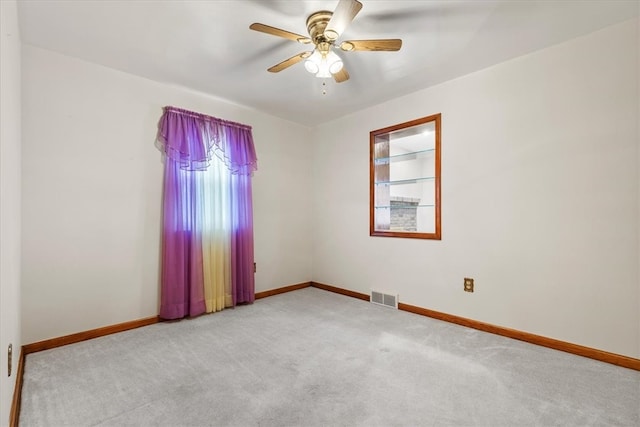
[323,65]
[334,61]
[312,64]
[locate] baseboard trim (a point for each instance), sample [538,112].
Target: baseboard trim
[282,290]
[14,416]
[121,327]
[579,350]
[87,335]
[341,291]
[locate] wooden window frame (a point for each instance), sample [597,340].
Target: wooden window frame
[437,234]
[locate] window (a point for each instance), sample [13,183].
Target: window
[207,217]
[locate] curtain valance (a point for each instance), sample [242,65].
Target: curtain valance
[191,138]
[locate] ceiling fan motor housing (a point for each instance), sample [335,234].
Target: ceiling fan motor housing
[316,24]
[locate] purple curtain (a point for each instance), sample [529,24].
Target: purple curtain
[188,141]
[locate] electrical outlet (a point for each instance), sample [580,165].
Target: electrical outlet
[10,358]
[468,284]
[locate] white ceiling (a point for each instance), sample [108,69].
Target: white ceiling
[207,45]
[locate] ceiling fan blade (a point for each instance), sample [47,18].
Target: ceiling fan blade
[341,18]
[372,45]
[280,33]
[341,76]
[289,62]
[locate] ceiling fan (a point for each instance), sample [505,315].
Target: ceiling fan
[324,29]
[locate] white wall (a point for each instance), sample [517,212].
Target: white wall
[9,201]
[638,168]
[92,182]
[539,196]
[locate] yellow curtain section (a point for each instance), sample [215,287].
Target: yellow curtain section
[216,236]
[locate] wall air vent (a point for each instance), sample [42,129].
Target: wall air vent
[387,300]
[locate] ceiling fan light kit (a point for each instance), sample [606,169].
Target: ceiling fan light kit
[324,29]
[323,64]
